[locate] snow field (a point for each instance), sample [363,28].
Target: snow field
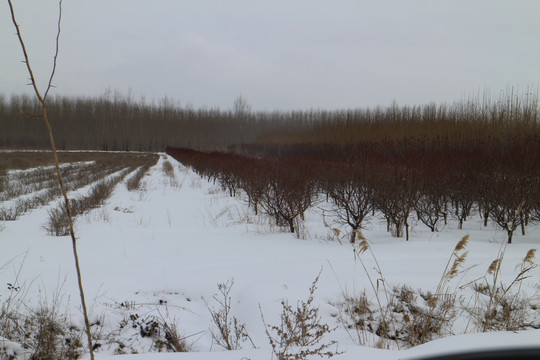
[161,252]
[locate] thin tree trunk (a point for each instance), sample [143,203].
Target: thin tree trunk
[42,100]
[407,230]
[71,231]
[522,222]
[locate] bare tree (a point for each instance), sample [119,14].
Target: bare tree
[289,192]
[241,108]
[507,201]
[42,101]
[395,196]
[352,193]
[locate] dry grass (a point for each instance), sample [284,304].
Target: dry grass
[500,307]
[168,169]
[387,316]
[170,176]
[231,333]
[411,318]
[144,327]
[300,335]
[134,182]
[47,332]
[44,332]
[418,318]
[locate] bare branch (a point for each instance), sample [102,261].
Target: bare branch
[31,115]
[26,59]
[56,50]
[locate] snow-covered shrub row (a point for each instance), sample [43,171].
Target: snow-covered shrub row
[112,174]
[49,190]
[24,190]
[24,182]
[134,182]
[58,222]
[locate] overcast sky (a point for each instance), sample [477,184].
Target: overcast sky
[278,54]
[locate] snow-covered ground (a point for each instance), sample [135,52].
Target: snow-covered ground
[161,252]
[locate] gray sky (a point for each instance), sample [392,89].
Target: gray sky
[278,54]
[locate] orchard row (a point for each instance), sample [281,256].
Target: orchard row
[500,183]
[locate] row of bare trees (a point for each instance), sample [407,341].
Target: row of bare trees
[114,121]
[283,189]
[500,183]
[476,118]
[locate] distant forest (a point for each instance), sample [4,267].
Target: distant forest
[117,122]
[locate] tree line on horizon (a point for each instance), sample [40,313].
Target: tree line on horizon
[115,122]
[118,122]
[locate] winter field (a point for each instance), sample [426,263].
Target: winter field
[167,260]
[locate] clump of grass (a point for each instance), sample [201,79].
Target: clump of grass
[153,325]
[134,182]
[504,308]
[58,222]
[356,315]
[13,211]
[171,180]
[427,319]
[168,168]
[403,316]
[442,303]
[44,333]
[171,339]
[53,339]
[418,317]
[387,316]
